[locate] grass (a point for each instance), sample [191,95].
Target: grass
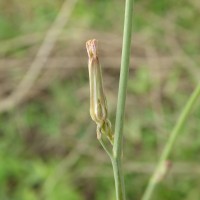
[37,137]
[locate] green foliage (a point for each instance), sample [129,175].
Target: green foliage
[107,186]
[141,83]
[6,30]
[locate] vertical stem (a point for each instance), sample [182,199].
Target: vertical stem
[168,148]
[118,139]
[119,179]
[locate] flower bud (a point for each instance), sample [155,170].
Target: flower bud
[98,104]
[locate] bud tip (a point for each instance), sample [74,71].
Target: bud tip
[91,46]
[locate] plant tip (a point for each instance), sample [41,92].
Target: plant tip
[92,48]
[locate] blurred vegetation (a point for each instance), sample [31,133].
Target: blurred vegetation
[48,147]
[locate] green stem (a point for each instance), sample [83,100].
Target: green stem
[105,148]
[119,179]
[117,147]
[160,169]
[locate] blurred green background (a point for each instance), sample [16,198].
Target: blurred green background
[48,145]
